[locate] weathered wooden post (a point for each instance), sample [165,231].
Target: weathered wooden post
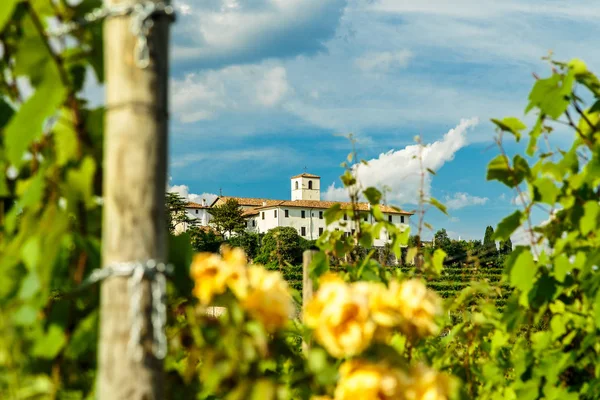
[135,163]
[307,284]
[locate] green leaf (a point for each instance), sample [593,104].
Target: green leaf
[81,182]
[545,190]
[377,214]
[521,169]
[25,316]
[180,256]
[534,135]
[522,273]
[498,169]
[437,261]
[65,138]
[551,95]
[373,195]
[436,203]
[319,265]
[561,267]
[84,336]
[27,124]
[49,345]
[508,225]
[6,12]
[333,213]
[512,125]
[589,221]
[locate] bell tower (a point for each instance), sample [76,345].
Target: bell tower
[306,187]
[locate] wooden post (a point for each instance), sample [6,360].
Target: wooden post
[134,225]
[307,284]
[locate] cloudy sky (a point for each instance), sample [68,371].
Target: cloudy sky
[261,89]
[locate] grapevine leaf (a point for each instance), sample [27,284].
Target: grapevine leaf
[589,221]
[498,169]
[522,273]
[437,204]
[26,125]
[49,345]
[508,225]
[373,195]
[6,12]
[510,124]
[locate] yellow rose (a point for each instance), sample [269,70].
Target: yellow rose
[236,276]
[209,274]
[268,299]
[340,317]
[366,381]
[417,305]
[425,383]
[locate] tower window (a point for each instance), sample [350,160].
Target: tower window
[303,231]
[310,184]
[303,214]
[402,218]
[296,185]
[287,213]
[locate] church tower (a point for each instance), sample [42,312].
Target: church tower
[306,187]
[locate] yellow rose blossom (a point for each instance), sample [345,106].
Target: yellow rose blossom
[418,306]
[210,275]
[268,299]
[340,317]
[425,383]
[236,277]
[366,381]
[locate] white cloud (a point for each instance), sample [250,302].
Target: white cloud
[461,199]
[384,61]
[400,170]
[184,191]
[266,155]
[206,95]
[216,33]
[454,219]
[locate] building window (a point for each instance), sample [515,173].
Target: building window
[275,213]
[320,214]
[296,185]
[263,215]
[366,217]
[287,213]
[253,222]
[389,218]
[310,184]
[353,230]
[303,231]
[345,217]
[196,211]
[303,214]
[402,218]
[320,231]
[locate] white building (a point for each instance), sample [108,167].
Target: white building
[305,211]
[198,213]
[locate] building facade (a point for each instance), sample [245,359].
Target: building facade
[305,212]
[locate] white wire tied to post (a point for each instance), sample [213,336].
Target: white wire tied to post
[141,23]
[137,271]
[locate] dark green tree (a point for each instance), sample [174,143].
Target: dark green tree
[248,241]
[176,213]
[204,239]
[228,218]
[489,251]
[442,240]
[280,246]
[506,247]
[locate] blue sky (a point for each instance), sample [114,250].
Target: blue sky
[260,89]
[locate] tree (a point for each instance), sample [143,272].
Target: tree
[248,241]
[441,240]
[490,252]
[228,218]
[506,247]
[175,211]
[281,245]
[204,239]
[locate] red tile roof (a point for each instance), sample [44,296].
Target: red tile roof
[191,204]
[305,175]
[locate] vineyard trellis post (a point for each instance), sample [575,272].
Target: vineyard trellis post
[135,176]
[307,284]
